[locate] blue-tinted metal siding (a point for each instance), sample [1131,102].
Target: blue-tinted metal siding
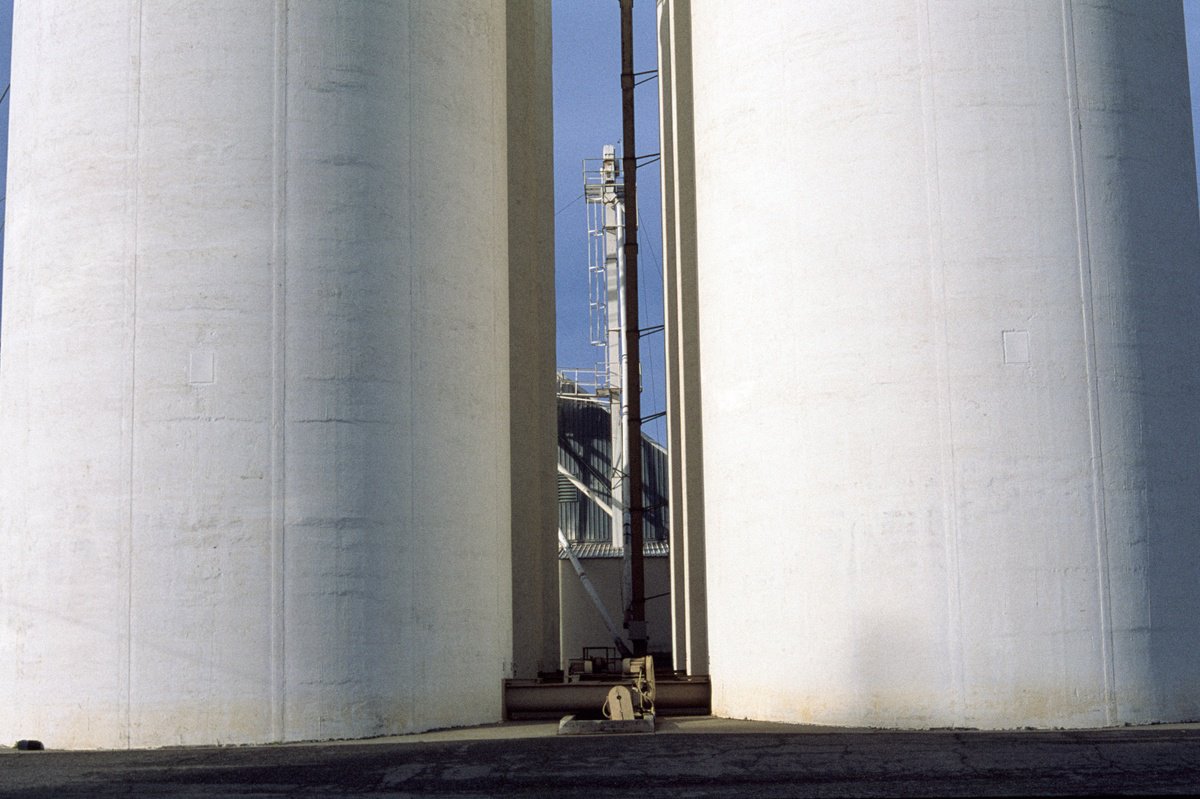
[585,450]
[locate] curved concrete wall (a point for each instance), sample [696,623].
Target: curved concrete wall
[254,397]
[533,430]
[948,302]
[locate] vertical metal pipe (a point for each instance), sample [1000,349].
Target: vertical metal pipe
[633,455]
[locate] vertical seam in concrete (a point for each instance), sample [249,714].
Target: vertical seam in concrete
[279,373]
[136,114]
[409,520]
[679,301]
[500,320]
[668,178]
[937,274]
[509,288]
[1083,250]
[691,446]
[543,21]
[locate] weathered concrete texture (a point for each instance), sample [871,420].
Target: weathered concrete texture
[695,758]
[949,288]
[575,725]
[254,393]
[531,349]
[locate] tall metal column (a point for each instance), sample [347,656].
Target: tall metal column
[612,197]
[636,614]
[605,195]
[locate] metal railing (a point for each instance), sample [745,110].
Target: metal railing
[590,383]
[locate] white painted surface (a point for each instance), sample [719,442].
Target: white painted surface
[254,399]
[581,624]
[948,303]
[682,338]
[533,410]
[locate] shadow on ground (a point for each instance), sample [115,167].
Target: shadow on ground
[693,758]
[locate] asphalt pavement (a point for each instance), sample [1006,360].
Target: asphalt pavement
[701,757]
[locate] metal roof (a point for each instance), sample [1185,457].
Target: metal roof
[593,549]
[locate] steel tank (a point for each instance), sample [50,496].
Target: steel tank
[254,385]
[948,288]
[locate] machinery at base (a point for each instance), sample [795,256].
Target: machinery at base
[633,698]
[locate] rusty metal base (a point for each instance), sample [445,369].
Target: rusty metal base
[529,699]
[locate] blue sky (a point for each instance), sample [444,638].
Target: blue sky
[1191,12]
[587,115]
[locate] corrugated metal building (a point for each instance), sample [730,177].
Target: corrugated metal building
[585,452]
[585,459]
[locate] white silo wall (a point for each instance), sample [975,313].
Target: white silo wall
[949,296]
[254,481]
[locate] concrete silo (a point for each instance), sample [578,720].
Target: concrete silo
[948,289]
[255,407]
